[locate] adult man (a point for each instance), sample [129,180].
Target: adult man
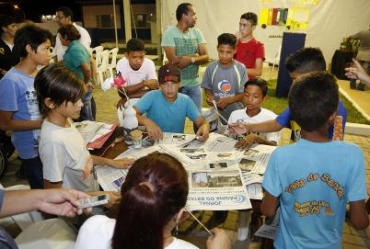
[185,47]
[8,56]
[63,16]
[166,103]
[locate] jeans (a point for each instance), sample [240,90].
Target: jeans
[195,93]
[33,170]
[86,111]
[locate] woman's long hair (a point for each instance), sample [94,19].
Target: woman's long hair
[156,188]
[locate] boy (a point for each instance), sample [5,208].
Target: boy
[313,179]
[223,80]
[166,109]
[18,104]
[138,71]
[249,51]
[255,94]
[67,162]
[303,61]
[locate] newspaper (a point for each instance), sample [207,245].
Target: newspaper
[216,180]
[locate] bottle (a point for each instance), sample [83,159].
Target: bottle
[129,122]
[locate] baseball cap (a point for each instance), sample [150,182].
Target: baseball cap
[169,72]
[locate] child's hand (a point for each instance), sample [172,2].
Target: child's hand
[124,163]
[246,142]
[222,103]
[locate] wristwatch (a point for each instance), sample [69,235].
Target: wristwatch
[192,59]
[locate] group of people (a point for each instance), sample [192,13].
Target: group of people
[303,179]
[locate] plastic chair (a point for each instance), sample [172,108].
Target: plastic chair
[273,62]
[112,61]
[101,69]
[96,52]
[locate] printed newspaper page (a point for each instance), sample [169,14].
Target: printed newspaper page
[214,167]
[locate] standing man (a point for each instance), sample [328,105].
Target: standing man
[185,48]
[64,16]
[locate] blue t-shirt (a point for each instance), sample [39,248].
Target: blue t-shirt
[18,95]
[75,55]
[314,182]
[336,131]
[170,117]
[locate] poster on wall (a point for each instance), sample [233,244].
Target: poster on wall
[291,18]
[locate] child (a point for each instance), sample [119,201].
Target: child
[67,162]
[303,61]
[255,94]
[153,200]
[138,71]
[223,79]
[314,179]
[18,103]
[167,109]
[249,51]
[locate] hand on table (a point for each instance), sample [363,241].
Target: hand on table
[123,163]
[154,131]
[246,142]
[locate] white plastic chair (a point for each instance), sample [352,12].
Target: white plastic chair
[273,62]
[112,61]
[96,52]
[101,69]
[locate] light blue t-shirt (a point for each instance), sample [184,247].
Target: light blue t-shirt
[18,95]
[185,44]
[170,117]
[314,182]
[75,55]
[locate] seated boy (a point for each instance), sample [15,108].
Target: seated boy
[138,71]
[166,109]
[255,94]
[303,61]
[223,79]
[314,179]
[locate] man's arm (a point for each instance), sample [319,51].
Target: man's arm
[359,216]
[199,58]
[203,128]
[138,90]
[7,123]
[266,126]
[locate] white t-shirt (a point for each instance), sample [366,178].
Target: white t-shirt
[97,233]
[59,49]
[65,157]
[240,116]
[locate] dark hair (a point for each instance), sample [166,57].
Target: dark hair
[30,34]
[67,12]
[226,39]
[58,83]
[135,45]
[306,60]
[155,189]
[261,83]
[183,8]
[5,21]
[251,17]
[70,32]
[313,98]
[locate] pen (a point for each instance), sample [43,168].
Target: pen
[199,222]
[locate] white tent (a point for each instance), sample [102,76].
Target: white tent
[330,20]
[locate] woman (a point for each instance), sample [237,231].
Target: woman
[153,200]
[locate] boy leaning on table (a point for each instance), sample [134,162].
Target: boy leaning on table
[313,180]
[166,109]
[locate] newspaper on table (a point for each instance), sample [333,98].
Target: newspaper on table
[215,176]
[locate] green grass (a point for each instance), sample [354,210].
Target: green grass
[278,105]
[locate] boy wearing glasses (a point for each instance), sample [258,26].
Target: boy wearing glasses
[166,109]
